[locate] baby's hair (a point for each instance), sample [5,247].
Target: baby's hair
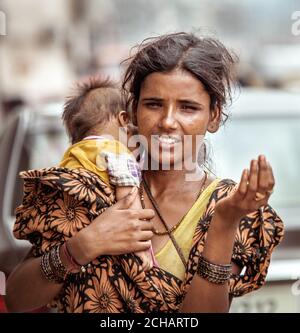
[95,101]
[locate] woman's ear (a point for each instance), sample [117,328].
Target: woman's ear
[123,118]
[215,120]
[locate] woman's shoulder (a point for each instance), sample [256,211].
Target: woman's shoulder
[211,177]
[222,186]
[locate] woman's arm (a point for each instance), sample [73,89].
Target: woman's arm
[27,289]
[204,296]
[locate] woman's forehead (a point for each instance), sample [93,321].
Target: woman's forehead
[176,83]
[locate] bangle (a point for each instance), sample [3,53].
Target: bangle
[214,273]
[47,269]
[53,268]
[55,260]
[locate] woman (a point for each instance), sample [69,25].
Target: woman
[204,232]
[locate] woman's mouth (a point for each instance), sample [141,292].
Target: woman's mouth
[167,140]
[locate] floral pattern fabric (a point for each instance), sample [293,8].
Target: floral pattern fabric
[59,202]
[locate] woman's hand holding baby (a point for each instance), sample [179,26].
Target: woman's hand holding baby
[118,230]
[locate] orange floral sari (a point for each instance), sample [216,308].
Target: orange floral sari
[60,202]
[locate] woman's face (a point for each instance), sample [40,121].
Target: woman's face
[173,112]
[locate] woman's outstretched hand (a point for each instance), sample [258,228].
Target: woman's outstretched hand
[118,230]
[253,191]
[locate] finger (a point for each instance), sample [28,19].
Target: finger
[145,214]
[143,246]
[147,225]
[271,183]
[272,178]
[243,185]
[145,235]
[263,175]
[126,202]
[253,180]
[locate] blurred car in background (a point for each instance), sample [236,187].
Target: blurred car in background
[262,121]
[32,138]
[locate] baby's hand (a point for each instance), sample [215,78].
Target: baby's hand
[146,258]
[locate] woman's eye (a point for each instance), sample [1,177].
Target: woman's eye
[189,108]
[153,105]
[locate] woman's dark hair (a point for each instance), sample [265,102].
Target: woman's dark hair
[206,58]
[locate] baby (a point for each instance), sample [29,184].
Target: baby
[93,118]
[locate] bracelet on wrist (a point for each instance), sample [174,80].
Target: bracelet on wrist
[48,270]
[214,273]
[52,267]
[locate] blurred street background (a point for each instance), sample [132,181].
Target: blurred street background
[46,45]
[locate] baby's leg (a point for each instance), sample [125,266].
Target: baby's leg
[147,257]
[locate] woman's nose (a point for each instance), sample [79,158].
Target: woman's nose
[168,120]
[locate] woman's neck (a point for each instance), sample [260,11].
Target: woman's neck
[164,181]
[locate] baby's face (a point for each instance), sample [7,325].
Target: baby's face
[123,121]
[122,129]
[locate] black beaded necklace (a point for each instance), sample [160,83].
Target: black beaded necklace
[155,206]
